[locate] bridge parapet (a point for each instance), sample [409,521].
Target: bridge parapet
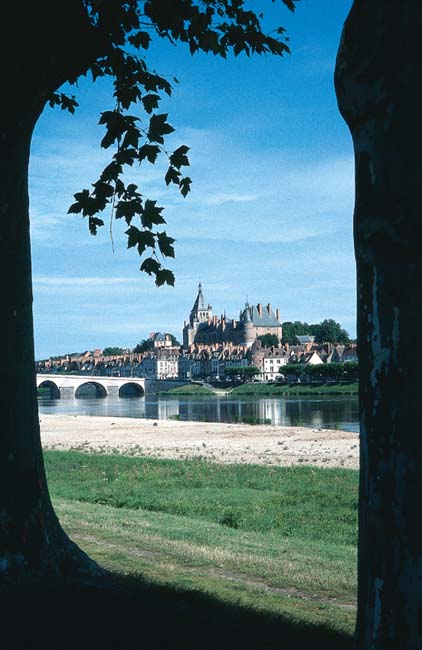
[69,385]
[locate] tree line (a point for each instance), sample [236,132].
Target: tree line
[348,371]
[328,331]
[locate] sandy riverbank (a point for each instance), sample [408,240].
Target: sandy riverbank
[226,443]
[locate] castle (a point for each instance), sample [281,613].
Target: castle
[204,328]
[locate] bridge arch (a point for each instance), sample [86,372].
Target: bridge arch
[52,386]
[91,389]
[131,389]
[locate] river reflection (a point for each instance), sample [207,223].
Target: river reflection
[325,412]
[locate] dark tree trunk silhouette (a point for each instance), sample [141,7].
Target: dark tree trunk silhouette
[378,89]
[31,538]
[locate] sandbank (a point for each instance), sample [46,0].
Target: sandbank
[218,442]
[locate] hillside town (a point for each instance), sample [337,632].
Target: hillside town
[214,348]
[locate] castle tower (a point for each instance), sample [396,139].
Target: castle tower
[200,313]
[248,330]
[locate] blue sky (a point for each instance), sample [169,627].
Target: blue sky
[269,218]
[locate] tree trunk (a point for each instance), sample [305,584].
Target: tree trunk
[378,90]
[31,538]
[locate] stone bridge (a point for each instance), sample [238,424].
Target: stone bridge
[81,385]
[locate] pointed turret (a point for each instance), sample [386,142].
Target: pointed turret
[199,303]
[200,312]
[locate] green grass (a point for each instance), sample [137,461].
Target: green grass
[189,389]
[166,545]
[279,540]
[307,502]
[255,388]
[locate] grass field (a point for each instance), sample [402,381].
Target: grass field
[270,390]
[188,389]
[279,542]
[255,388]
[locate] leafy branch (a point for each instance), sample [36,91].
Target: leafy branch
[216,26]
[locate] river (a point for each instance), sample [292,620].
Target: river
[328,412]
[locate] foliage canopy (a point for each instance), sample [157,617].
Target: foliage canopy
[269,340]
[144,346]
[328,331]
[112,350]
[244,372]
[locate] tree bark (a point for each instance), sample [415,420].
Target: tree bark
[32,541]
[31,538]
[377,83]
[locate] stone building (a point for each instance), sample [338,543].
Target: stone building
[206,328]
[160,364]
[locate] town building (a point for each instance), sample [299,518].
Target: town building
[160,364]
[273,360]
[211,360]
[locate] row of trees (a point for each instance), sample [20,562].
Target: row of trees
[112,351]
[243,372]
[348,371]
[328,331]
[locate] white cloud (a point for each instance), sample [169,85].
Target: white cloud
[220,198]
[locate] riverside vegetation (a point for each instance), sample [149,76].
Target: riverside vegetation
[321,379]
[279,542]
[269,390]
